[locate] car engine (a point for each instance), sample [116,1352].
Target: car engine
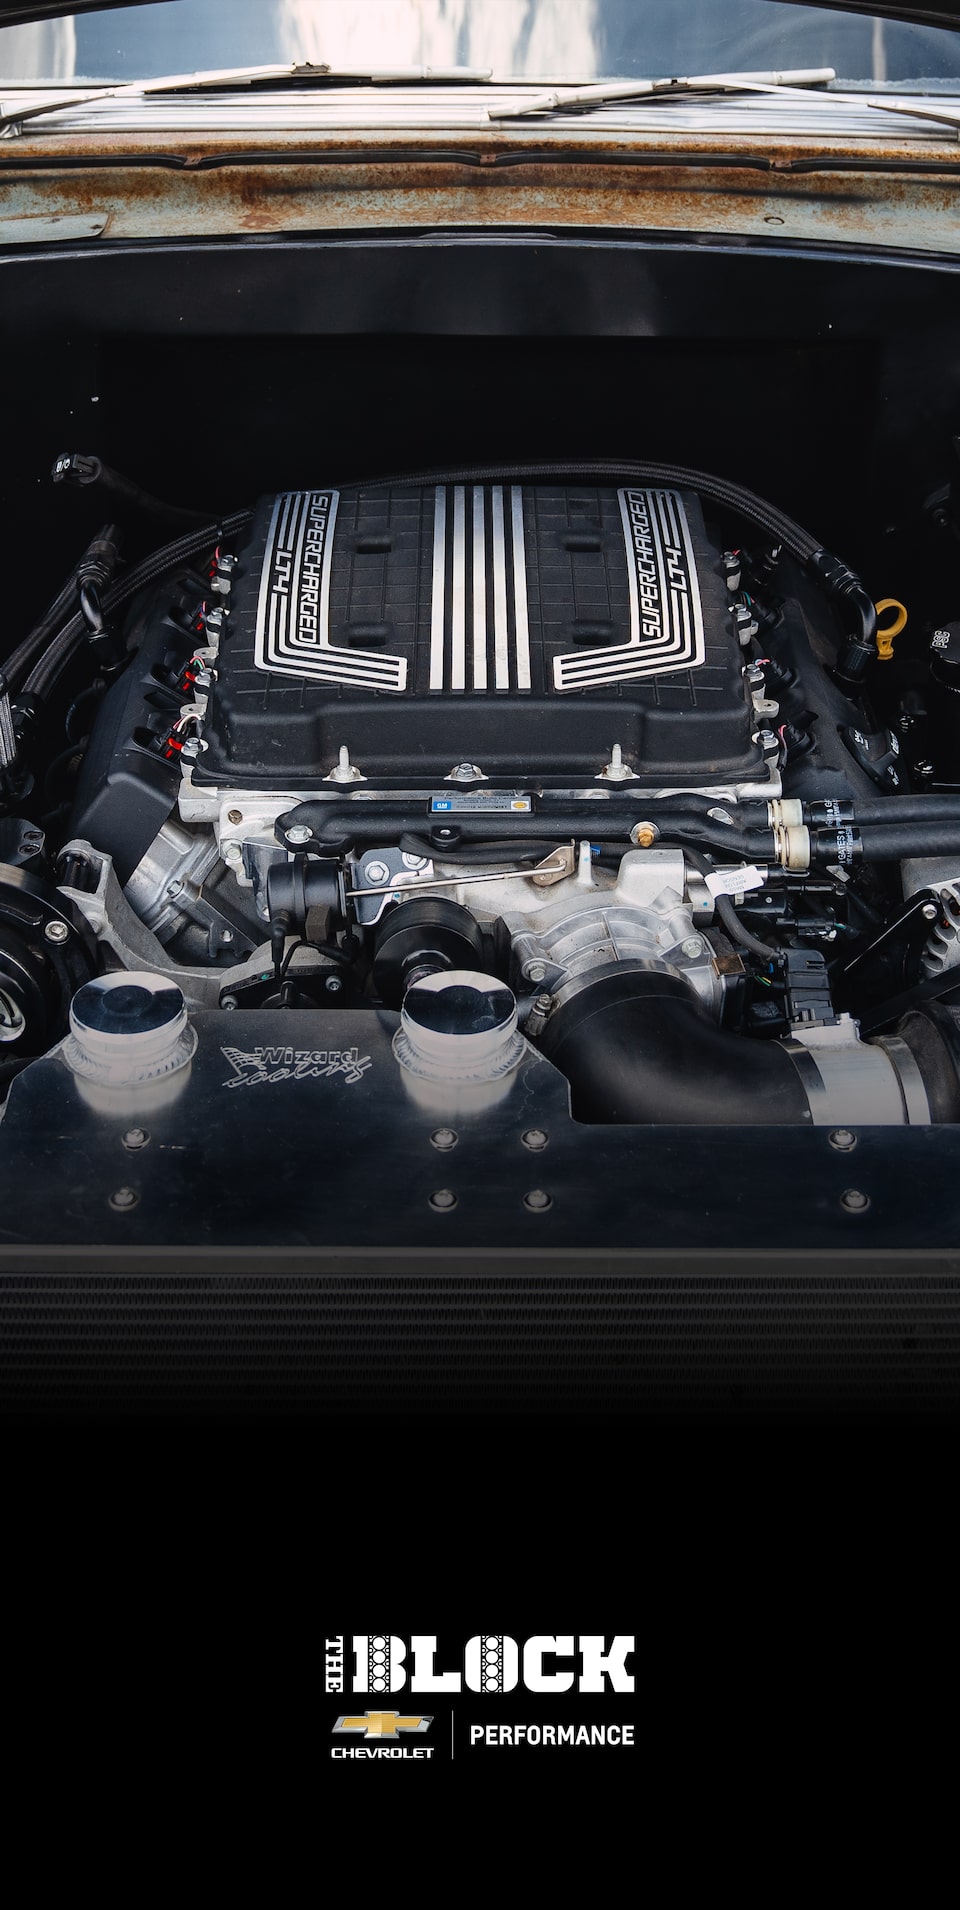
[595,763]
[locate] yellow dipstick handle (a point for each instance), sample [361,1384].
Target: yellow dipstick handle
[885,637]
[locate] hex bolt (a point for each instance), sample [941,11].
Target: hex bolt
[692,947]
[929,911]
[843,1139]
[444,1138]
[175,889]
[298,833]
[57,932]
[136,1138]
[443,1200]
[535,1139]
[854,1201]
[535,971]
[124,1199]
[234,815]
[377,872]
[543,1004]
[537,1201]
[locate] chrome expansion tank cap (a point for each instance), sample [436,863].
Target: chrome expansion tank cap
[128,1028]
[459,1026]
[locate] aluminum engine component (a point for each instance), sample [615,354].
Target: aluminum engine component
[172,872]
[642,917]
[942,949]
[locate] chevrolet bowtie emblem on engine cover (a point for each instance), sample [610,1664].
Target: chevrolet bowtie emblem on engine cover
[380,1724]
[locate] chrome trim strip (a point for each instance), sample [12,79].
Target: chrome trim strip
[292,636]
[479,591]
[520,590]
[501,650]
[631,568]
[439,575]
[668,634]
[458,632]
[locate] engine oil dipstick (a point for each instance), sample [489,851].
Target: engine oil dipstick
[885,637]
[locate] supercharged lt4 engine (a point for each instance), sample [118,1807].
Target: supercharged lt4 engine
[585,764]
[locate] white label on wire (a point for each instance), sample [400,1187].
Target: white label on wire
[735,881]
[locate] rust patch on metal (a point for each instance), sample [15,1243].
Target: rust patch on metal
[391,181]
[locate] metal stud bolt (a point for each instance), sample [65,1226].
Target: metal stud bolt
[124,1199]
[535,1139]
[537,1200]
[854,1201]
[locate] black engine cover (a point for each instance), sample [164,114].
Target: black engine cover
[524,629]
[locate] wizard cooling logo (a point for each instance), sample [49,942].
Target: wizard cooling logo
[259,1067]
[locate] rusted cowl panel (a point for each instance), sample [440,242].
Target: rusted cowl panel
[918,213]
[130,187]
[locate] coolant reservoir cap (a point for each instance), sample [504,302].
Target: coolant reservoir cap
[459,1025]
[128,1028]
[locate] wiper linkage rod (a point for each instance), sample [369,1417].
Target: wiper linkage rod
[242,76]
[605,91]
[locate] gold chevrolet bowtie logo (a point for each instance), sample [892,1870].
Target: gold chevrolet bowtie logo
[381,1724]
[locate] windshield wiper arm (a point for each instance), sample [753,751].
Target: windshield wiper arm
[605,91]
[942,115]
[244,76]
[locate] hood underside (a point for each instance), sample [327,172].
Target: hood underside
[13,12]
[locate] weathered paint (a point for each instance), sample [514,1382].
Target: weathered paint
[133,188]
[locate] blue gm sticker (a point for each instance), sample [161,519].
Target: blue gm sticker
[496,799]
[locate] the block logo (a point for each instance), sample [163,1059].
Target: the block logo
[380,1664]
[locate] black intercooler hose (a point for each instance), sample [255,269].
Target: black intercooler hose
[892,841]
[937,806]
[834,577]
[637,1046]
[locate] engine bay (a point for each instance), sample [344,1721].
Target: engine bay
[594,762]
